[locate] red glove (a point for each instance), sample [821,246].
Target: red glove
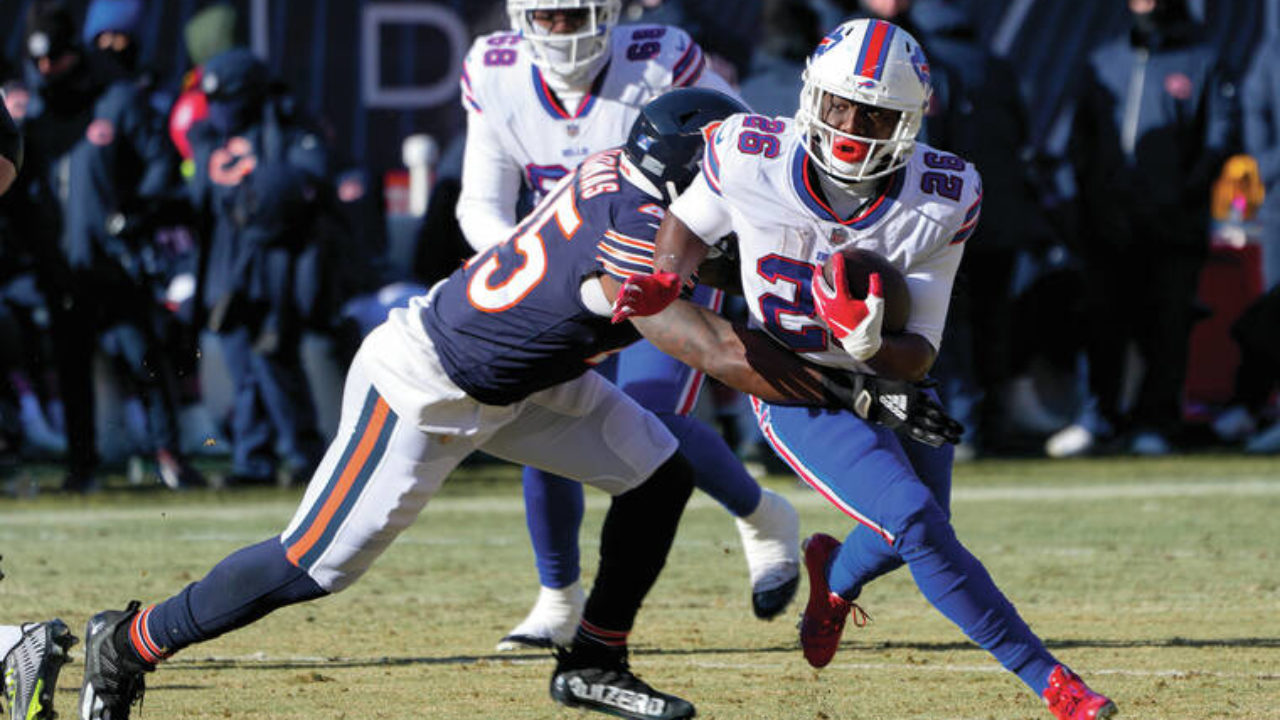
[855,323]
[645,295]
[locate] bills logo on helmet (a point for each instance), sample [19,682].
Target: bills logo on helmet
[830,41]
[920,64]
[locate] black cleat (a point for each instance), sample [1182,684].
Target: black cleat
[31,669]
[602,681]
[768,604]
[113,680]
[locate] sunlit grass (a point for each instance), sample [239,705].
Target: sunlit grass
[1158,581]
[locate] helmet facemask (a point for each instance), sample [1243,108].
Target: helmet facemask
[567,59]
[880,142]
[865,91]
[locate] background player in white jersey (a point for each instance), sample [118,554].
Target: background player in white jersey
[563,84]
[848,172]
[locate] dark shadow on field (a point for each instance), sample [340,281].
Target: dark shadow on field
[194,663]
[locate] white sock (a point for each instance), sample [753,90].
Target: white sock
[561,602]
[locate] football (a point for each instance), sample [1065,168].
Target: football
[858,266]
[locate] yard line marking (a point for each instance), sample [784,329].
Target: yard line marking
[992,669]
[1248,486]
[261,658]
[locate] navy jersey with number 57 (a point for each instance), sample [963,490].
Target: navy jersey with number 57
[512,321]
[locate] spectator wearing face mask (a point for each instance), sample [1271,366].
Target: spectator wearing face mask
[95,152]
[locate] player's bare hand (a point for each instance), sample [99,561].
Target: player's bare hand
[856,323]
[645,295]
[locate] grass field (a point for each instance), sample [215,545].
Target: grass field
[1158,580]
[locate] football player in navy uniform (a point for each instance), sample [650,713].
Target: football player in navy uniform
[496,357]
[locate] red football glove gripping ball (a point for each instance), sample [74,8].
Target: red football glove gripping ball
[645,295]
[855,323]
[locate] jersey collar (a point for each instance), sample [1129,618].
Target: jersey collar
[812,199]
[553,106]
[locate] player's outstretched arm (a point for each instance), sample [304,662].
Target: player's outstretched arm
[904,356]
[677,255]
[740,358]
[753,363]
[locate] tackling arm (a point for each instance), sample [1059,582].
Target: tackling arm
[744,360]
[677,254]
[903,356]
[677,249]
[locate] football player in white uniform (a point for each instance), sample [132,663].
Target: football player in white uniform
[565,83]
[848,172]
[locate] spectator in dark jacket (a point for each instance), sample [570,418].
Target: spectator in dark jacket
[96,150]
[1257,332]
[259,179]
[1152,130]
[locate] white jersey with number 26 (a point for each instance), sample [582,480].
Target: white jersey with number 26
[755,181]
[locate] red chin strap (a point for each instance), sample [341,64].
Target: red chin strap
[848,150]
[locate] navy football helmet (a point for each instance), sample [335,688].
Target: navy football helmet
[666,140]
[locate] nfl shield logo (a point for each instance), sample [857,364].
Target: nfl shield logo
[572,129]
[839,236]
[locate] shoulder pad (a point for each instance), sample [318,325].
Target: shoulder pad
[954,184]
[489,61]
[683,56]
[741,137]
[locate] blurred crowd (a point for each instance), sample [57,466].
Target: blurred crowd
[184,269]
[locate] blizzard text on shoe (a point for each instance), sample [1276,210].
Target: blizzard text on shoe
[635,702]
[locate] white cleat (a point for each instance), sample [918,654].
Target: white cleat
[551,623]
[771,543]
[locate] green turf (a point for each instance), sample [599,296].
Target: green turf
[1159,581]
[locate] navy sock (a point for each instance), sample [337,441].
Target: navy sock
[245,586]
[553,508]
[717,471]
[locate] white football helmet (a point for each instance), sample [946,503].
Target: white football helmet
[572,59]
[869,62]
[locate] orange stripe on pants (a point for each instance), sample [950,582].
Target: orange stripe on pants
[354,465]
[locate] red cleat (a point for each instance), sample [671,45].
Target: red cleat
[1069,698]
[824,616]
